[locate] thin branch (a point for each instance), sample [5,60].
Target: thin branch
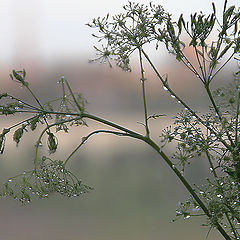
[84,139]
[143,93]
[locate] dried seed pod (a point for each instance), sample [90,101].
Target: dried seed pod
[18,134]
[52,142]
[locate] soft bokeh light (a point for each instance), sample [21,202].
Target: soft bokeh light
[51,30]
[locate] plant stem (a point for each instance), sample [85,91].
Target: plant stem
[187,186]
[74,99]
[211,165]
[237,114]
[217,111]
[143,93]
[182,102]
[84,139]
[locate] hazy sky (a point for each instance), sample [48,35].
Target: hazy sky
[49,29]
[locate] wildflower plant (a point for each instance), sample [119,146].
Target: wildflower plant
[212,136]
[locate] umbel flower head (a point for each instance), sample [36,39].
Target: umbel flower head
[138,25]
[50,177]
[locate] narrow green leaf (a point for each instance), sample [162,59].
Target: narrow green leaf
[225,50]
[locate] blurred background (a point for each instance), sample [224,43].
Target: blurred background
[135,192]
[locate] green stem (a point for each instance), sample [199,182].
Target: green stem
[36,99]
[211,165]
[237,114]
[84,139]
[204,64]
[223,65]
[217,111]
[19,123]
[33,95]
[143,93]
[182,102]
[232,227]
[200,65]
[187,186]
[74,99]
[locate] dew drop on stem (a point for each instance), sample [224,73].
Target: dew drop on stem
[172,96]
[165,89]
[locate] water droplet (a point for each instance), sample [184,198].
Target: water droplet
[187,217]
[178,101]
[164,88]
[67,115]
[221,183]
[172,96]
[188,64]
[10,180]
[173,166]
[196,209]
[210,169]
[20,102]
[197,76]
[185,108]
[194,117]
[219,196]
